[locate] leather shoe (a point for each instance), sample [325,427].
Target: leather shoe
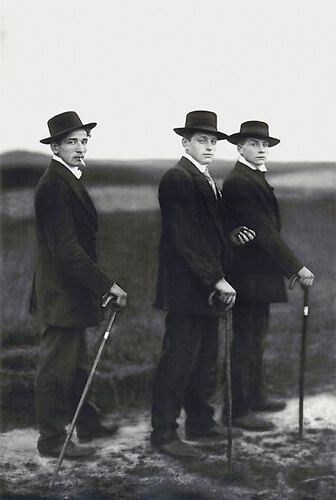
[98,432]
[252,422]
[217,431]
[270,405]
[72,452]
[179,449]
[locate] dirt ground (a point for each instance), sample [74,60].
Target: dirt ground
[274,465]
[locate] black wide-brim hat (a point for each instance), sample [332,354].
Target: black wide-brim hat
[62,124]
[203,121]
[253,129]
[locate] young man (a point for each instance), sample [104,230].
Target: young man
[194,260]
[257,273]
[68,291]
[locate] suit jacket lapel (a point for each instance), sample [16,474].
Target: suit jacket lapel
[208,194]
[262,183]
[77,187]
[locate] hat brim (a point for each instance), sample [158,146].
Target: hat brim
[235,138]
[49,140]
[220,135]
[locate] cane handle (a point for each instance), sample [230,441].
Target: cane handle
[293,281]
[212,297]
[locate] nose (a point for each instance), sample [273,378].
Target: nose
[210,146]
[81,148]
[263,147]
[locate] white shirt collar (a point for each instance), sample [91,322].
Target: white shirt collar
[74,170]
[262,168]
[198,165]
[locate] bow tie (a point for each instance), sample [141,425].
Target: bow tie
[261,175]
[260,172]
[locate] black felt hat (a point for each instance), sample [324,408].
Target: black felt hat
[204,121]
[254,129]
[64,123]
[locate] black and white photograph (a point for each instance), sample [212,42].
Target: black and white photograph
[168,250]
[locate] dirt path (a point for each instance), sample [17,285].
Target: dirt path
[275,465]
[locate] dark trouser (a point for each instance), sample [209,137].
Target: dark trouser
[60,380]
[185,376]
[250,325]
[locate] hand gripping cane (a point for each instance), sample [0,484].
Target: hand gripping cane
[305,313]
[86,388]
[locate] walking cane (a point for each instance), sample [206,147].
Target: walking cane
[228,342]
[81,401]
[305,313]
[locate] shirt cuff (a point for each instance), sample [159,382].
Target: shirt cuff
[104,297]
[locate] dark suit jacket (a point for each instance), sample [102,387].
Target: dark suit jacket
[258,268]
[194,249]
[68,285]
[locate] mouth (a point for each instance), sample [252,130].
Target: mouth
[79,159]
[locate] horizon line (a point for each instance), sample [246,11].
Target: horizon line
[150,159]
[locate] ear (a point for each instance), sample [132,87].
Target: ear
[240,149]
[54,148]
[185,143]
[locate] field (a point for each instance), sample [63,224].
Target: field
[275,466]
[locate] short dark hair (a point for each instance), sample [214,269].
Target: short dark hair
[60,138]
[188,134]
[243,140]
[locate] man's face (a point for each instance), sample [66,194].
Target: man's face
[254,150]
[201,147]
[72,147]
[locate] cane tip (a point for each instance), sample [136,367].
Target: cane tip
[231,477]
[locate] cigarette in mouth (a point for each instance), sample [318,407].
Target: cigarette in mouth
[82,162]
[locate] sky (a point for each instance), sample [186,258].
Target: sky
[137,67]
